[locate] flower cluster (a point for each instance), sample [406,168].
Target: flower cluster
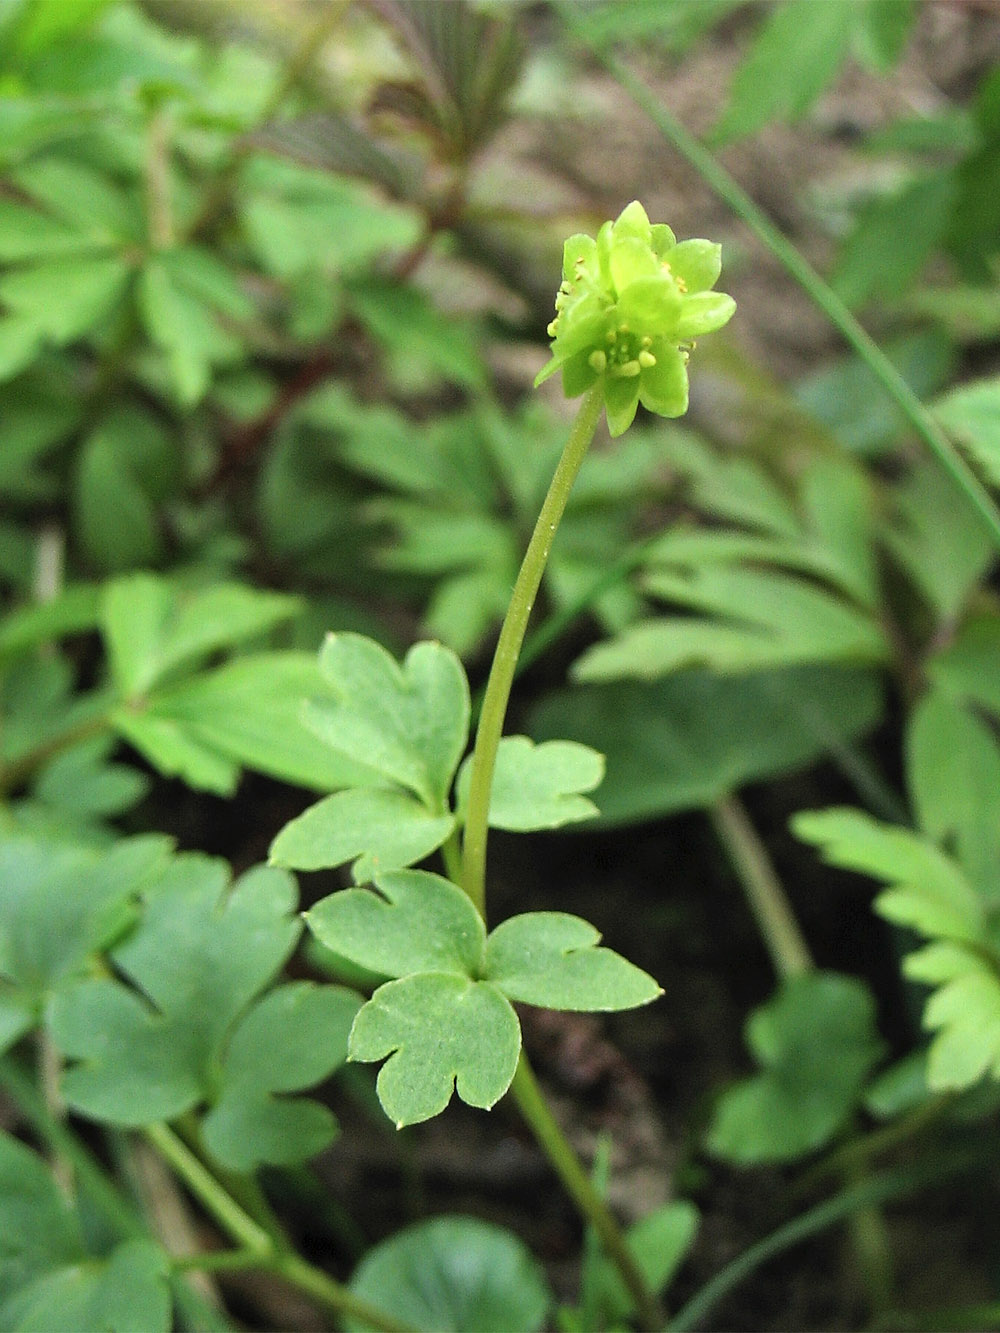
[630,305]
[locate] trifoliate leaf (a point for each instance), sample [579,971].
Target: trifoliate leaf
[552,960]
[816,1043]
[199,956]
[442,1033]
[292,1039]
[385,830]
[416,922]
[538,786]
[453,1275]
[409,723]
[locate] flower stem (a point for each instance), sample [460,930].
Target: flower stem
[578,1185]
[512,632]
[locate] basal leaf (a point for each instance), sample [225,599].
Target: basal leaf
[816,1043]
[292,1039]
[127,1293]
[538,786]
[61,904]
[384,830]
[442,1033]
[409,723]
[691,738]
[453,1275]
[39,1230]
[249,712]
[416,922]
[551,959]
[199,956]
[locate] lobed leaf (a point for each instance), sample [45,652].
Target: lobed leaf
[552,960]
[538,786]
[442,1033]
[384,830]
[409,723]
[416,922]
[816,1043]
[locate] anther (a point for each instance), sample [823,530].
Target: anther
[646,360]
[597,361]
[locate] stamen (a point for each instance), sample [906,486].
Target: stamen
[597,361]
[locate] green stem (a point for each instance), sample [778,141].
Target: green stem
[764,893]
[508,648]
[581,1190]
[223,1207]
[719,179]
[254,1239]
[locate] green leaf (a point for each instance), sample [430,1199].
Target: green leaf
[72,611]
[113,514]
[795,55]
[60,904]
[971,413]
[752,619]
[249,712]
[660,1243]
[964,1013]
[292,1039]
[27,234]
[384,830]
[153,628]
[966,667]
[453,1275]
[185,327]
[39,1231]
[301,221]
[688,740]
[87,199]
[410,724]
[127,1294]
[175,753]
[816,1043]
[65,297]
[417,922]
[551,959]
[892,240]
[82,782]
[419,337]
[19,345]
[442,1033]
[938,540]
[953,773]
[200,955]
[881,30]
[929,891]
[538,786]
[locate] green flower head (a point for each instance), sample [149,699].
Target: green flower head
[630,305]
